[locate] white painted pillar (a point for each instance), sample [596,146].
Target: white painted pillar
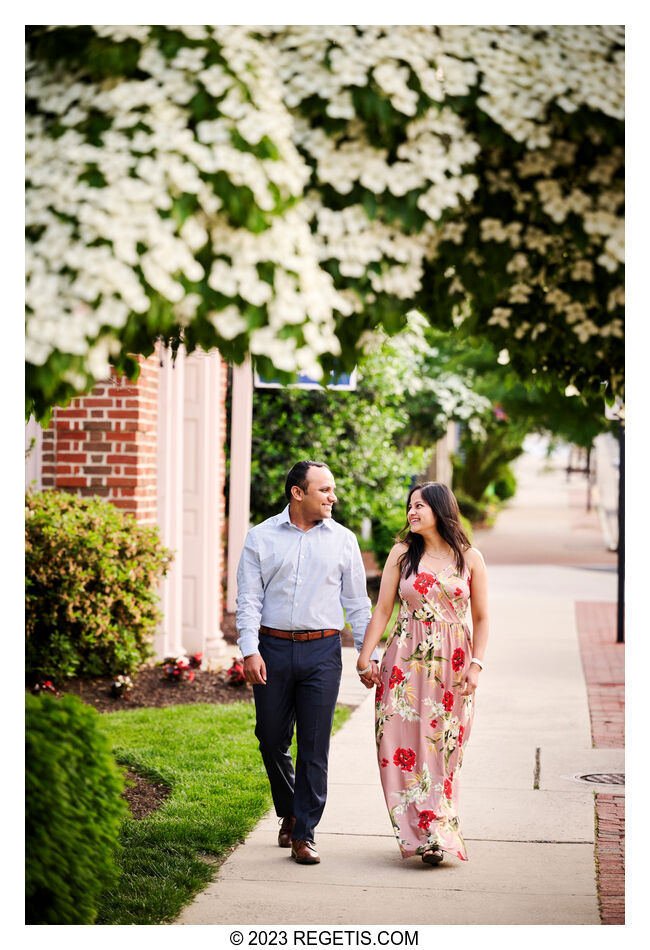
[202,536]
[33,455]
[169,639]
[241,427]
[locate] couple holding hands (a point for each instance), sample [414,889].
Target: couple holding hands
[298,572]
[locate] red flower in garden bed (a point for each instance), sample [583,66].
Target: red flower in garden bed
[179,669]
[405,759]
[424,582]
[395,677]
[236,672]
[458,659]
[448,700]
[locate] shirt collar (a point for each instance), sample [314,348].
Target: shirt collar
[283,518]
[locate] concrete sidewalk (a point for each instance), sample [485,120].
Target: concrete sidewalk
[527,820]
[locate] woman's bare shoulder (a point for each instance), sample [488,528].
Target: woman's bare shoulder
[396,552]
[474,558]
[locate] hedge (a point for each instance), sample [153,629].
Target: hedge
[73,811]
[92,575]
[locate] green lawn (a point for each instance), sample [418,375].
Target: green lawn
[209,757]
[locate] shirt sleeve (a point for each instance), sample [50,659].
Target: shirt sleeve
[250,596]
[354,595]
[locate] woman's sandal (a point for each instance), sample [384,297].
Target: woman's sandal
[433,856]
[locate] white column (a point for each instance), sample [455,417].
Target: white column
[241,426]
[201,510]
[169,640]
[33,455]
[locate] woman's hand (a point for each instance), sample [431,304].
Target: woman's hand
[470,680]
[371,678]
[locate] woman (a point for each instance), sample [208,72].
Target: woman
[424,703]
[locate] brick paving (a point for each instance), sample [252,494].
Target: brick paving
[603,662]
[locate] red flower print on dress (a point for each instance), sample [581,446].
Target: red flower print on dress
[448,787]
[426,817]
[395,677]
[461,733]
[448,700]
[379,693]
[405,759]
[433,723]
[457,592]
[458,659]
[384,763]
[423,582]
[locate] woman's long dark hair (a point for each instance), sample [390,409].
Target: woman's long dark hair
[442,502]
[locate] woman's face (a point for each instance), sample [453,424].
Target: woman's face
[420,515]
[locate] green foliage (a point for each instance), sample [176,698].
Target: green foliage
[385,531]
[479,466]
[73,811]
[506,485]
[209,756]
[361,435]
[92,574]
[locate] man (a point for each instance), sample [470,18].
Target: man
[297,573]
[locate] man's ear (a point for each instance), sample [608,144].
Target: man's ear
[297,492]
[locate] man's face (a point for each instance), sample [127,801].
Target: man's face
[318,496]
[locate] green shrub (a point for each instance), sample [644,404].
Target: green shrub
[476,512]
[506,485]
[73,811]
[384,531]
[91,577]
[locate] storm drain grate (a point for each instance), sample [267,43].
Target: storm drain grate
[604,778]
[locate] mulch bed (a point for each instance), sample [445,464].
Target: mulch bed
[151,689]
[142,795]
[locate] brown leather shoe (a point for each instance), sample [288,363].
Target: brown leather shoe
[304,851]
[284,834]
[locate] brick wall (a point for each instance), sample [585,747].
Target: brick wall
[105,443]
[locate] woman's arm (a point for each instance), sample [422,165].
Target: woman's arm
[479,605]
[384,608]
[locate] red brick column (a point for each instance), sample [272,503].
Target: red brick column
[105,443]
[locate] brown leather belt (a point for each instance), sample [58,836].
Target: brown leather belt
[299,635]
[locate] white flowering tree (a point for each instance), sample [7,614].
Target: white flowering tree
[288,191]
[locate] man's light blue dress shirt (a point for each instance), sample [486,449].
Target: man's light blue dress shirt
[300,580]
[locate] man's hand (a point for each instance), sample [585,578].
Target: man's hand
[372,676]
[254,669]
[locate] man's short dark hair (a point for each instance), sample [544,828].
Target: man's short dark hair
[298,475]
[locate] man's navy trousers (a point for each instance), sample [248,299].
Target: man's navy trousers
[302,686]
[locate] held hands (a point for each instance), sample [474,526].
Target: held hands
[470,680]
[371,678]
[254,669]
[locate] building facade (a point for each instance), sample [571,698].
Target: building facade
[155,448]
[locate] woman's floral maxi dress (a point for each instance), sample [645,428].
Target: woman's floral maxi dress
[422,723]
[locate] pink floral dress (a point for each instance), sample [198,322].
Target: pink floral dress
[422,723]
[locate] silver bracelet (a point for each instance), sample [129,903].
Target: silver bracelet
[367,670]
[478,662]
